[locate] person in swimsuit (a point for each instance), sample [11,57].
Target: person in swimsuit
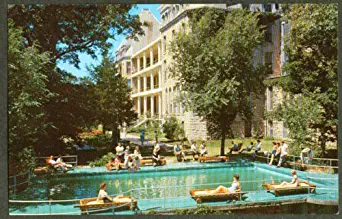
[137,156]
[179,153]
[274,151]
[235,186]
[156,159]
[103,195]
[294,182]
[203,150]
[110,164]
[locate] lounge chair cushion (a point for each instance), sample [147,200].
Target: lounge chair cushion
[96,202]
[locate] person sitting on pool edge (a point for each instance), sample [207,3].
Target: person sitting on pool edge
[203,149]
[236,187]
[130,164]
[156,159]
[179,153]
[103,195]
[293,183]
[194,151]
[110,164]
[235,147]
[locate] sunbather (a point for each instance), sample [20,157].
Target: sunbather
[103,195]
[203,150]
[194,151]
[110,164]
[57,165]
[156,159]
[293,183]
[234,188]
[179,153]
[235,147]
[137,156]
[130,164]
[274,151]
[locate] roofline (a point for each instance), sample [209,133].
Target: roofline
[147,46]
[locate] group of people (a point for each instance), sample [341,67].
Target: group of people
[124,159]
[59,164]
[195,151]
[279,150]
[236,187]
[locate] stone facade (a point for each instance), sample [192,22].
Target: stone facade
[194,127]
[154,88]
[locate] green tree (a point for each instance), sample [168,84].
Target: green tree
[215,66]
[311,68]
[114,106]
[64,32]
[27,92]
[67,30]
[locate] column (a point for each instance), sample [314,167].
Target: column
[145,106]
[139,108]
[160,105]
[144,59]
[181,102]
[159,52]
[159,78]
[145,82]
[138,60]
[152,106]
[151,56]
[139,85]
[152,81]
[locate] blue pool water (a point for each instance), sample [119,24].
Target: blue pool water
[161,188]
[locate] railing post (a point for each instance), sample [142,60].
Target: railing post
[164,197]
[14,184]
[113,206]
[50,206]
[294,162]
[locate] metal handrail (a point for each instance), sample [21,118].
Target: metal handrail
[66,156]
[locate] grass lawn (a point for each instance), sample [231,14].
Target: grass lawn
[214,146]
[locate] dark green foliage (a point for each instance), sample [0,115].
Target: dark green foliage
[27,92]
[99,141]
[216,62]
[62,33]
[67,30]
[102,161]
[112,103]
[311,70]
[173,130]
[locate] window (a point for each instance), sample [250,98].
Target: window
[270,98]
[268,34]
[269,62]
[129,83]
[270,126]
[276,6]
[128,67]
[284,130]
[164,44]
[268,7]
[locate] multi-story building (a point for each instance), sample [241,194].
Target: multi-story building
[146,63]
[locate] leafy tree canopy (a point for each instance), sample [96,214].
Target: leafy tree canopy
[311,68]
[216,68]
[66,30]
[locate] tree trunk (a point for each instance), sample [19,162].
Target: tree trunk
[223,139]
[115,138]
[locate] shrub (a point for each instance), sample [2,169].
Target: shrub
[173,130]
[102,161]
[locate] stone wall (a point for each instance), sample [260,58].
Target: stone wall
[195,128]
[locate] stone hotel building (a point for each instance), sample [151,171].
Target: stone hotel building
[145,64]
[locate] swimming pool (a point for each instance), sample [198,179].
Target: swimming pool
[167,188]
